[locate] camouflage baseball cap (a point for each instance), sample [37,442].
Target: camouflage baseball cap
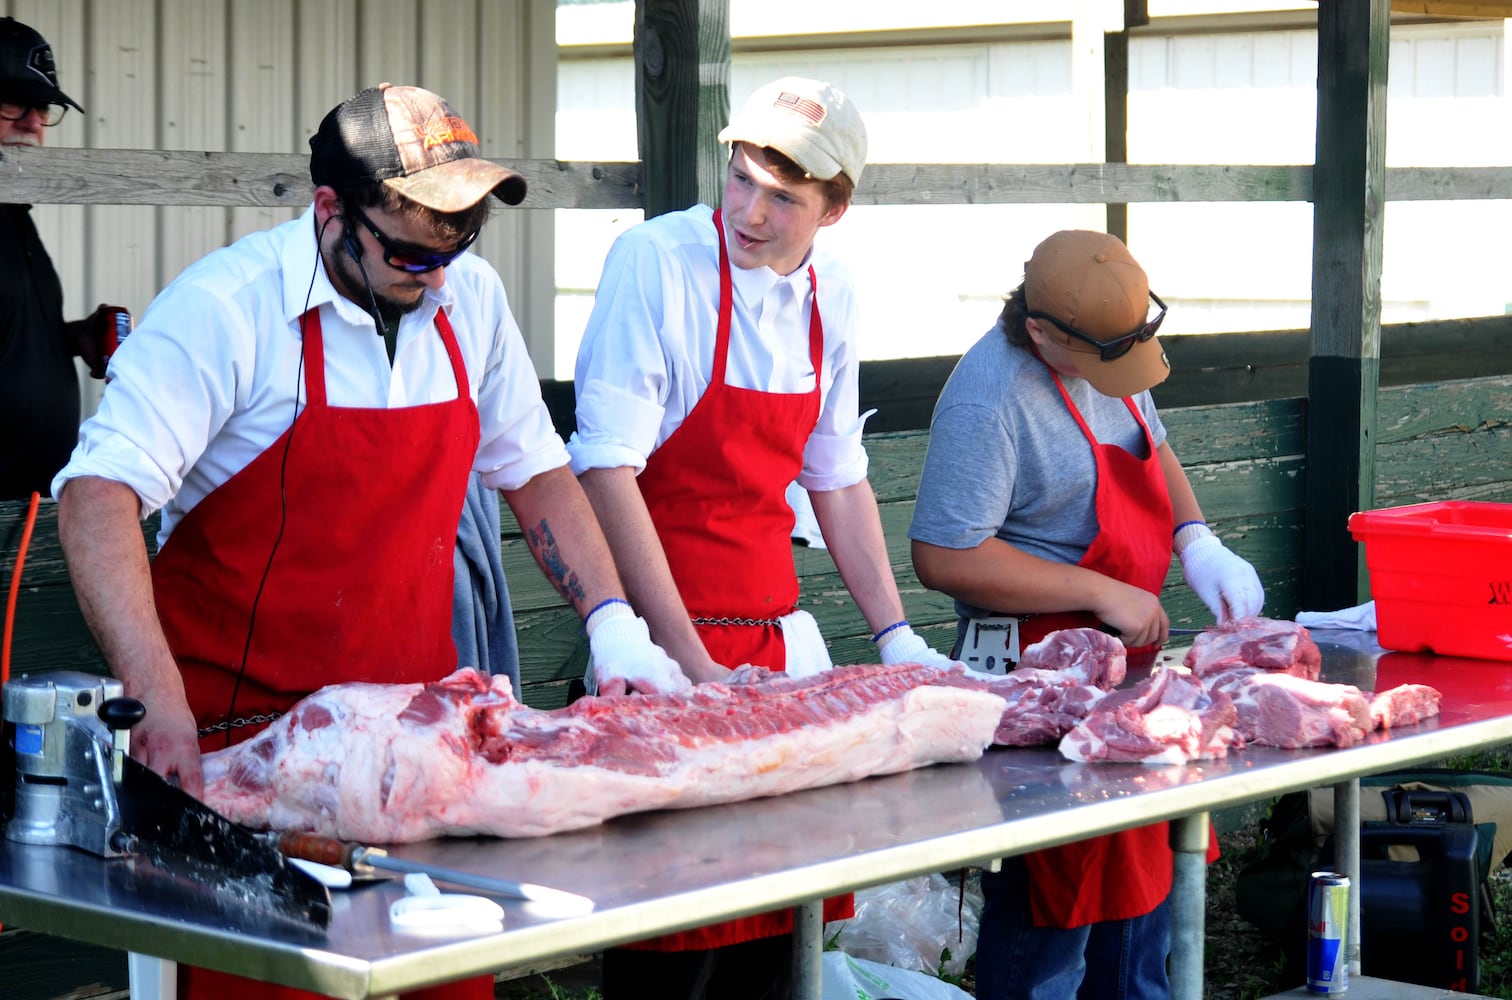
[412,141]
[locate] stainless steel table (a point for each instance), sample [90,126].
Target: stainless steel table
[658,872]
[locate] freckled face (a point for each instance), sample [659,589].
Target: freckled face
[769,221]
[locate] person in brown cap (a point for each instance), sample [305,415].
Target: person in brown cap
[720,366]
[1050,499]
[307,406]
[39,386]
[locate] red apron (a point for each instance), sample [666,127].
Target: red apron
[1124,874]
[357,585]
[717,492]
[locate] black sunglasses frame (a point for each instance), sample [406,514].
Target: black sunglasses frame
[1110,350]
[52,113]
[408,257]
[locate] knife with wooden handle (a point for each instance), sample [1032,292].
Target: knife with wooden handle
[360,860]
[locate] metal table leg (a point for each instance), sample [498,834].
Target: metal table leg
[1347,857]
[1189,842]
[808,950]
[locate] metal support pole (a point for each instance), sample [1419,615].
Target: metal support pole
[1189,843]
[808,950]
[1347,857]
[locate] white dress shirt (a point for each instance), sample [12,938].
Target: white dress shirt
[647,355]
[212,375]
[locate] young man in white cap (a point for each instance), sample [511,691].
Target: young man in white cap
[1068,517]
[39,388]
[306,406]
[719,365]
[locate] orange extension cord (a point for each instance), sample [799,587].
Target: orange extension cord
[15,589]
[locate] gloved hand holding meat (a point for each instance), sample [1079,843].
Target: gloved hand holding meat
[1226,583]
[623,659]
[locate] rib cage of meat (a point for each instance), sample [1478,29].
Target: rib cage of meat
[392,763]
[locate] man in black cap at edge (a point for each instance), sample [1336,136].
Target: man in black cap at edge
[306,406]
[39,388]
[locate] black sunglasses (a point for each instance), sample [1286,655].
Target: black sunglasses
[408,256]
[14,111]
[1111,350]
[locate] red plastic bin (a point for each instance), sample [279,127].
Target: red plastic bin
[1441,575]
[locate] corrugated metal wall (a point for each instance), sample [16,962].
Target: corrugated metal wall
[258,76]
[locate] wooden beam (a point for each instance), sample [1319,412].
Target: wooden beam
[1116,118]
[682,100]
[1344,367]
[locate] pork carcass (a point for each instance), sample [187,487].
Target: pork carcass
[1264,643]
[1167,718]
[392,763]
[1279,709]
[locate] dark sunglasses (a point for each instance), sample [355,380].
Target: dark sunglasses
[1111,350]
[14,111]
[408,256]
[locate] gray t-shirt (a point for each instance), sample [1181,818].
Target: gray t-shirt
[1006,457]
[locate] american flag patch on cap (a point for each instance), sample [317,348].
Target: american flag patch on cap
[812,110]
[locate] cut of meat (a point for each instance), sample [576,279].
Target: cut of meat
[1278,709]
[1093,655]
[1265,643]
[1404,705]
[391,763]
[1167,718]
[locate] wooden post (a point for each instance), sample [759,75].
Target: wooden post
[682,100]
[1116,104]
[1344,363]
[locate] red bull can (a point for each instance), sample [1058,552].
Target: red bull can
[117,329]
[1327,932]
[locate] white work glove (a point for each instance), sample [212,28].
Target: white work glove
[1227,584]
[900,644]
[620,649]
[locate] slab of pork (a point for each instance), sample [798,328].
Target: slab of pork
[391,763]
[1265,643]
[1167,718]
[1278,709]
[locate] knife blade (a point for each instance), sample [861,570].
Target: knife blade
[361,860]
[184,836]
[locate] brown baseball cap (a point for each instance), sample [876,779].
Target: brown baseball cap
[412,141]
[1089,281]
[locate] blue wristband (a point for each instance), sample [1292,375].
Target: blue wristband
[1187,524]
[600,606]
[893,627]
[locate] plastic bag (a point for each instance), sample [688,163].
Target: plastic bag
[849,978]
[921,924]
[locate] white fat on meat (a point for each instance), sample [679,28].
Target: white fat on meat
[394,763]
[1263,643]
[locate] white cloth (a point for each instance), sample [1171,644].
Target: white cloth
[647,354]
[208,378]
[806,653]
[1362,616]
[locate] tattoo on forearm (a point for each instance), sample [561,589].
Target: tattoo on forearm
[543,544]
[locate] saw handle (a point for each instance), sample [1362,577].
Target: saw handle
[119,715]
[327,851]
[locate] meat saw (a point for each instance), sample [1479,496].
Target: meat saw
[75,786]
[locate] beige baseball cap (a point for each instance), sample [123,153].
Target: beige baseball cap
[1088,281]
[809,122]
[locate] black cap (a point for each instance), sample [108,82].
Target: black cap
[27,73]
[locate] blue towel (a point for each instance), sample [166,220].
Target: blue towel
[482,620]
